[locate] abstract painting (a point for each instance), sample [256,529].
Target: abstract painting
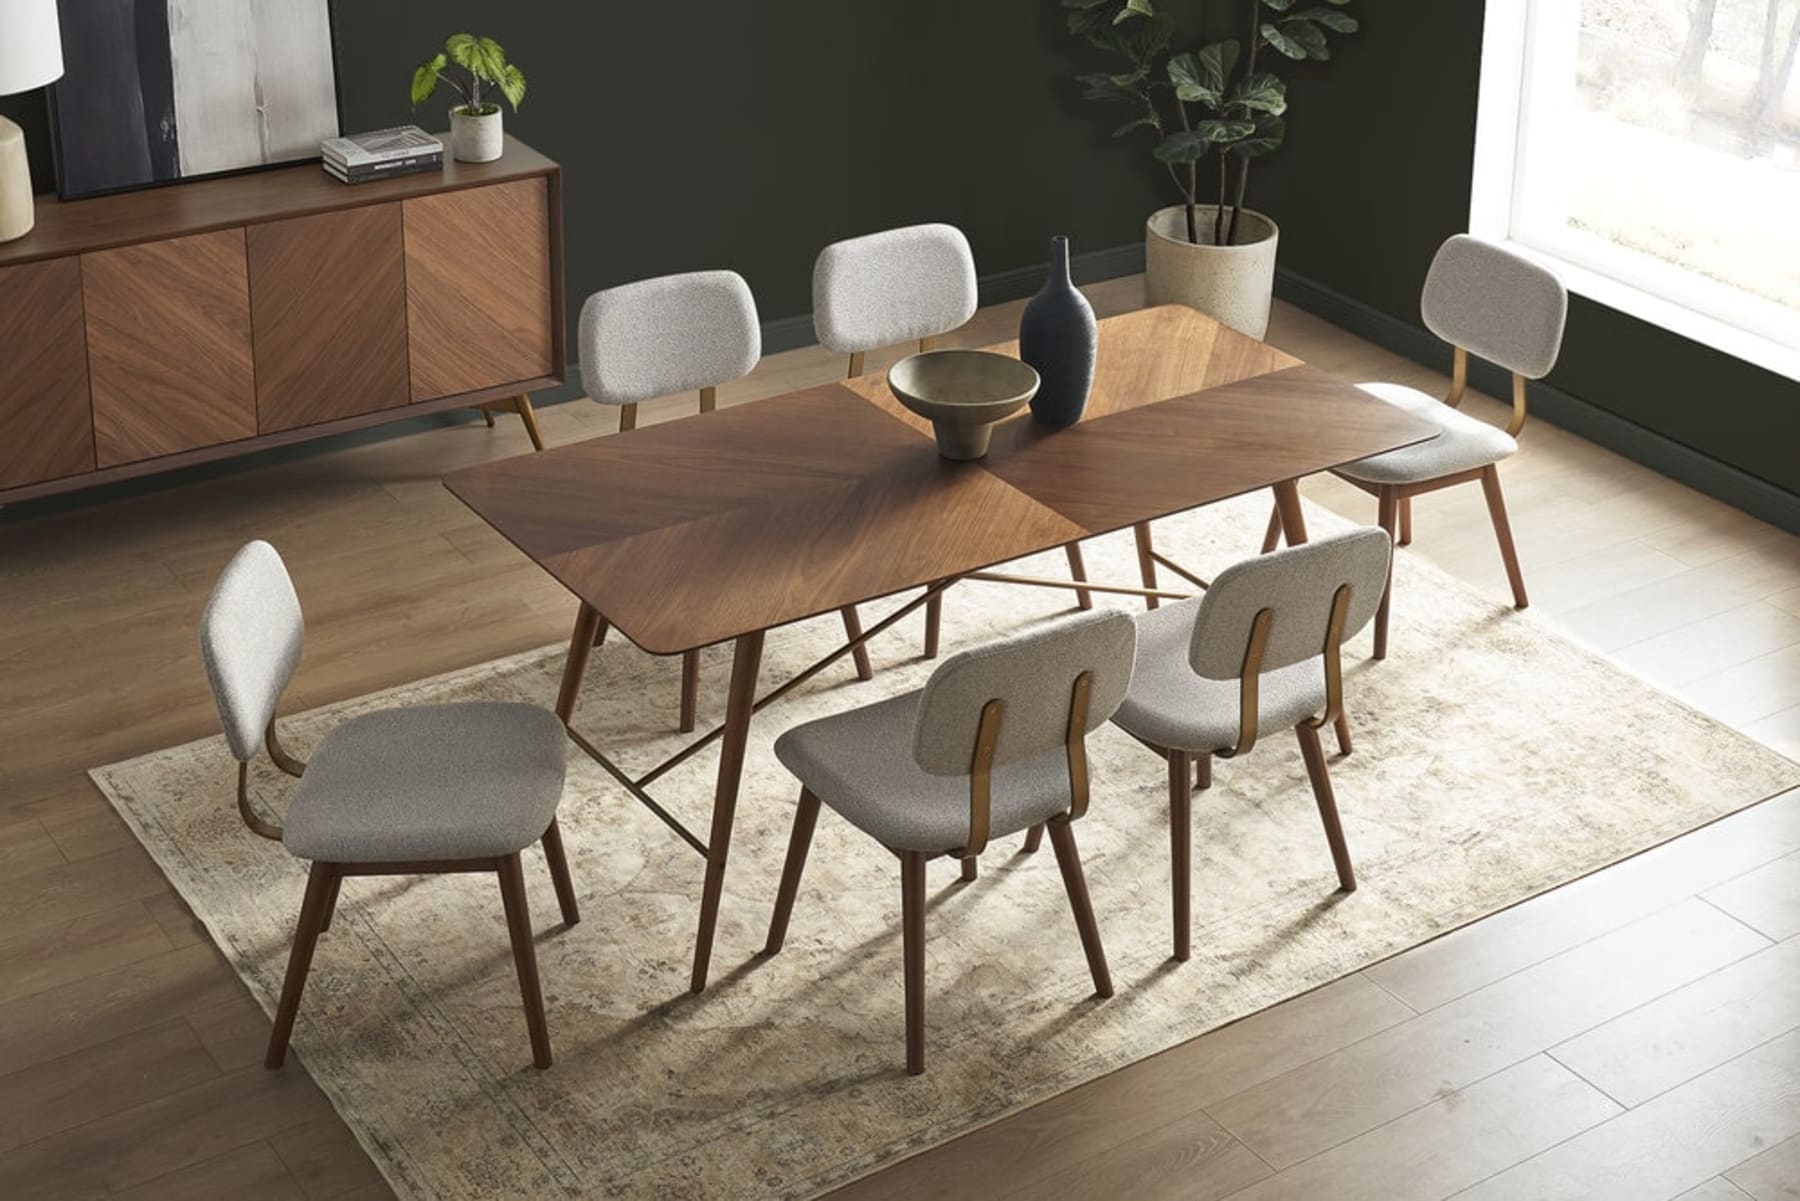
[159,90]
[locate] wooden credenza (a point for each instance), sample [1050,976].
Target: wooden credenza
[155,329]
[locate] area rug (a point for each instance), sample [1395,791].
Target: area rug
[1494,759]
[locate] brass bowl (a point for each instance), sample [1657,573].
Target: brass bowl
[963,393]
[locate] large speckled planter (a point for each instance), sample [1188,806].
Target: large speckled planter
[1232,283]
[476,137]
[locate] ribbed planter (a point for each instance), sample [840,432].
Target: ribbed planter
[1235,283]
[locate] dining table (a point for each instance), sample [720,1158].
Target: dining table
[720,527]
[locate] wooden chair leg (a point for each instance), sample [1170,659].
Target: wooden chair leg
[1343,731]
[1034,838]
[971,869]
[518,926]
[1181,847]
[934,621]
[1496,503]
[1272,537]
[1068,858]
[1203,772]
[806,816]
[1078,572]
[559,874]
[1314,754]
[912,933]
[528,415]
[690,691]
[1388,504]
[709,399]
[627,417]
[1146,564]
[853,630]
[331,900]
[1405,536]
[319,882]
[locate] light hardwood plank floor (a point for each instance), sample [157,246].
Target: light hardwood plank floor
[1570,1043]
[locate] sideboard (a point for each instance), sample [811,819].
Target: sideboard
[150,330]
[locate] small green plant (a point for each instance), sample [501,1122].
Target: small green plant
[483,68]
[1237,107]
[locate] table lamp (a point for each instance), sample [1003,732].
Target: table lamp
[30,57]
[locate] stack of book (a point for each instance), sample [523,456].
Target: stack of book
[403,150]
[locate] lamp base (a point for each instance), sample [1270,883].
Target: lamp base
[17,211]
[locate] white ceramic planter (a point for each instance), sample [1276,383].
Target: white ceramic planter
[1232,283]
[475,139]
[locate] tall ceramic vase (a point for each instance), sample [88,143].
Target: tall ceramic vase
[1058,336]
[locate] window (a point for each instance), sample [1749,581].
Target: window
[1649,152]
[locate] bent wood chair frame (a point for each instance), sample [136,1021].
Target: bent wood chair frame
[912,863]
[1394,501]
[324,880]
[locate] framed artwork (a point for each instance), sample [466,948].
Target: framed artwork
[155,91]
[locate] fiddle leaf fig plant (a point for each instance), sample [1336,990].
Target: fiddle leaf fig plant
[1215,106]
[474,67]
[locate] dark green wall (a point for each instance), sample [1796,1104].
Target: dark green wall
[748,135]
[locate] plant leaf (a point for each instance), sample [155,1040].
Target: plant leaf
[492,59]
[461,49]
[1188,75]
[1309,37]
[1134,123]
[1225,132]
[1331,19]
[1265,137]
[1108,89]
[1134,8]
[1261,92]
[1184,147]
[1281,42]
[1282,6]
[512,86]
[1216,63]
[425,80]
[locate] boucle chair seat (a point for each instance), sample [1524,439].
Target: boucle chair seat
[462,781]
[1171,705]
[861,764]
[1462,444]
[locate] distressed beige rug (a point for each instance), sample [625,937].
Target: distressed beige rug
[1494,760]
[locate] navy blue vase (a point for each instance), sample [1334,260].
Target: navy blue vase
[1057,335]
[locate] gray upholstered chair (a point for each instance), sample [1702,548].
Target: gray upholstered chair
[1506,309]
[675,333]
[994,743]
[902,285]
[409,791]
[1259,650]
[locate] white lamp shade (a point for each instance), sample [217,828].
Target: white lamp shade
[30,45]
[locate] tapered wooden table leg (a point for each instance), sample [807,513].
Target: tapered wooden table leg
[581,644]
[1146,564]
[1272,536]
[1287,505]
[746,660]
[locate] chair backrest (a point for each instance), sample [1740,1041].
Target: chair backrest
[896,286]
[1297,586]
[675,333]
[1495,304]
[1033,675]
[250,636]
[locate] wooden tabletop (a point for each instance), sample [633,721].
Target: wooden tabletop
[690,532]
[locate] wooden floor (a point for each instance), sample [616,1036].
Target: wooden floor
[1633,1035]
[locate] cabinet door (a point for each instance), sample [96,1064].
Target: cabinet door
[328,307]
[48,432]
[478,288]
[168,331]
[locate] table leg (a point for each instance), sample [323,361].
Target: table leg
[581,644]
[746,659]
[1287,503]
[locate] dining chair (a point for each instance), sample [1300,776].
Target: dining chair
[995,742]
[910,284]
[1504,308]
[675,333]
[1258,650]
[415,790]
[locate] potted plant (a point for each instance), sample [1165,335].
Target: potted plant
[475,133]
[1213,110]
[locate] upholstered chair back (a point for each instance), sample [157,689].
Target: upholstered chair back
[1033,675]
[1495,304]
[250,636]
[1297,587]
[899,285]
[675,333]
